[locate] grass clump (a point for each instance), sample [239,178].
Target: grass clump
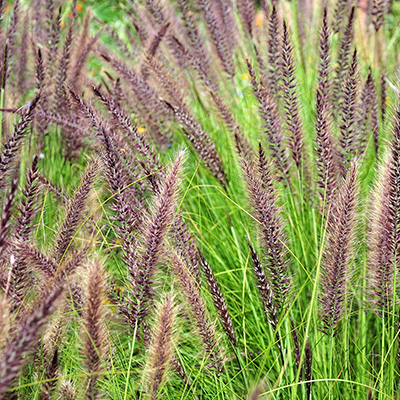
[199,200]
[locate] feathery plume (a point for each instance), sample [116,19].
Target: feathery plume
[35,258]
[368,114]
[10,39]
[335,272]
[94,346]
[384,255]
[13,143]
[167,83]
[185,244]
[219,301]
[296,345]
[161,347]
[327,170]
[226,11]
[140,87]
[274,52]
[179,51]
[343,57]
[198,309]
[53,30]
[272,128]
[153,239]
[156,11]
[50,376]
[58,192]
[110,156]
[264,289]
[340,11]
[53,335]
[63,69]
[39,69]
[74,213]
[246,11]
[150,52]
[263,200]
[139,141]
[67,391]
[267,297]
[27,211]
[155,43]
[218,36]
[197,56]
[290,98]
[349,129]
[378,12]
[14,357]
[202,143]
[76,72]
[6,214]
[73,263]
[129,211]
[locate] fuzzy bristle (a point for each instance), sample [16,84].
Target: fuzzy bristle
[326,159]
[153,240]
[337,254]
[219,301]
[343,61]
[14,357]
[161,347]
[350,136]
[272,126]
[14,142]
[274,52]
[74,213]
[198,310]
[95,344]
[290,97]
[385,231]
[263,199]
